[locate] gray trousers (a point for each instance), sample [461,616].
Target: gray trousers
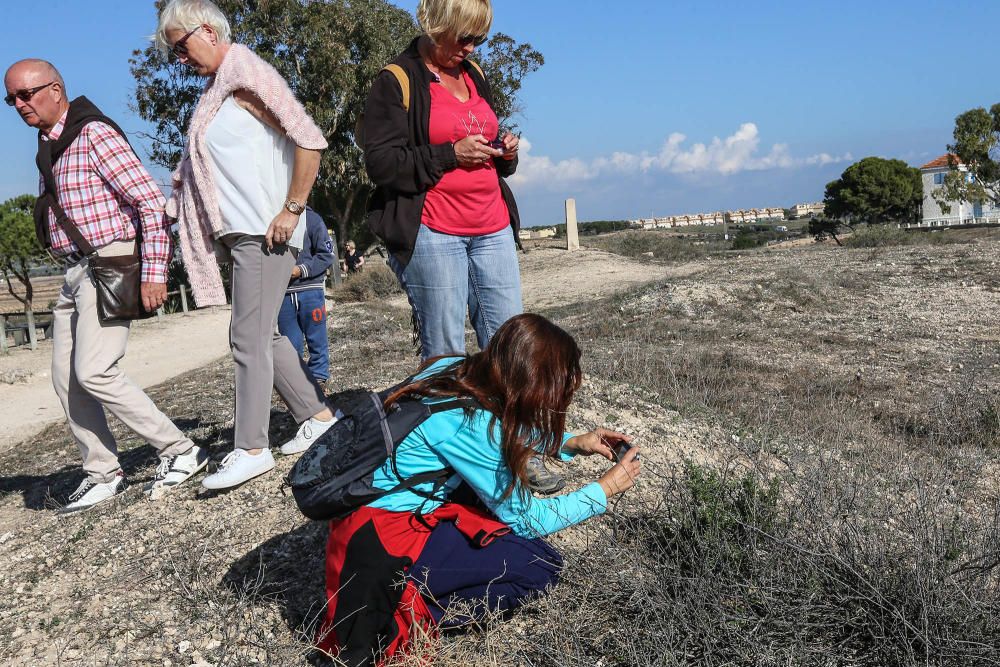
[87,379]
[263,357]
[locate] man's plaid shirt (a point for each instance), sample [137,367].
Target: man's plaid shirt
[106,191]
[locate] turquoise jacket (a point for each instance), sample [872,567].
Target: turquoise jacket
[465,444]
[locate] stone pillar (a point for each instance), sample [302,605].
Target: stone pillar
[572,236]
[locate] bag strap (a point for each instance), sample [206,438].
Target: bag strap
[403,80]
[50,198]
[439,477]
[476,66]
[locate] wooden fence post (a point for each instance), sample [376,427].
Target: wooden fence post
[184,299]
[3,334]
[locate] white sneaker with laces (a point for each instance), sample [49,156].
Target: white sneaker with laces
[91,493]
[307,434]
[239,466]
[174,470]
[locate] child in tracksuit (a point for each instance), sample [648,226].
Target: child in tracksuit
[302,318]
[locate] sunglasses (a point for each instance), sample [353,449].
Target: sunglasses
[25,95]
[473,40]
[179,48]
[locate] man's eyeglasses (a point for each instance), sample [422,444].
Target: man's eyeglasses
[473,40]
[25,95]
[180,46]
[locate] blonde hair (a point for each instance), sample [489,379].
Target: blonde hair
[187,15]
[454,18]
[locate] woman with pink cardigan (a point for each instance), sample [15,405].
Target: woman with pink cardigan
[240,190]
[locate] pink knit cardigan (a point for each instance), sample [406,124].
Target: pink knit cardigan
[194,202]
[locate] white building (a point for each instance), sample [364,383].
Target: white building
[932,175]
[539,233]
[805,210]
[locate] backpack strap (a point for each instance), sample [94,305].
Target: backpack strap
[439,477]
[476,66]
[464,402]
[404,82]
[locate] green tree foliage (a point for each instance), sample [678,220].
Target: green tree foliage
[330,52]
[19,247]
[977,145]
[821,227]
[505,65]
[593,227]
[874,191]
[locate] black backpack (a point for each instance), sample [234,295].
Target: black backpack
[334,476]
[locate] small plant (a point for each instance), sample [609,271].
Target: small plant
[375,282]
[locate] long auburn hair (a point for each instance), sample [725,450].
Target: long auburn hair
[526,378]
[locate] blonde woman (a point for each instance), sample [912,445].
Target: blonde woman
[441,206]
[251,159]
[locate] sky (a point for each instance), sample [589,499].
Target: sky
[644,107]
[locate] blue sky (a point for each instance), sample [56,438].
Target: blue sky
[644,107]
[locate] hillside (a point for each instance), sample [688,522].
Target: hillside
[820,428]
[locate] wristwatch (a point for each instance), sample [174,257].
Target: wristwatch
[294,207]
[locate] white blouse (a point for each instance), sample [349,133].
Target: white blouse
[252,166]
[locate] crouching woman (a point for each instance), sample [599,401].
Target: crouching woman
[427,557]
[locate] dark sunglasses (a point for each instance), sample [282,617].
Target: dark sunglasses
[25,95]
[474,40]
[179,48]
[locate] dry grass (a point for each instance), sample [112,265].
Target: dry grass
[821,430]
[375,283]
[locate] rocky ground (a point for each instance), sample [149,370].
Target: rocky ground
[236,578]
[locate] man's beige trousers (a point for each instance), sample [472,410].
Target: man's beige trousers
[87,379]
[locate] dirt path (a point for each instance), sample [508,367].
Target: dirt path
[161,351]
[158,351]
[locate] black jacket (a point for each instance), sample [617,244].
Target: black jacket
[400,159]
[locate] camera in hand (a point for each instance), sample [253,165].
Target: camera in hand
[619,447]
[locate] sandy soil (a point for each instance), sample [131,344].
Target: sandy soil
[236,578]
[157,352]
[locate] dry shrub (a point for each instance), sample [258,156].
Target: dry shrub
[662,247]
[376,282]
[878,236]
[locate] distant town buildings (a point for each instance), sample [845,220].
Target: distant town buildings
[738,217]
[962,212]
[541,233]
[806,210]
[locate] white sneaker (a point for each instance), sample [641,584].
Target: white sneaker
[174,470]
[91,493]
[239,466]
[307,434]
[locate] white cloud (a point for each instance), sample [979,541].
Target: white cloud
[737,152]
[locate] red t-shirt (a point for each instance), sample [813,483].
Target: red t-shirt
[467,200]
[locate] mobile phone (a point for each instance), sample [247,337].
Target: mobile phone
[619,447]
[498,144]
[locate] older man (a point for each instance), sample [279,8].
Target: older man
[108,196]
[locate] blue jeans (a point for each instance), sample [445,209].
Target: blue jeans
[302,320]
[448,275]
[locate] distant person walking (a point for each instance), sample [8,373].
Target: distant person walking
[302,318]
[353,260]
[250,162]
[441,204]
[108,196]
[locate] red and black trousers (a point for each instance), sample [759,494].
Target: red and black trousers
[390,573]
